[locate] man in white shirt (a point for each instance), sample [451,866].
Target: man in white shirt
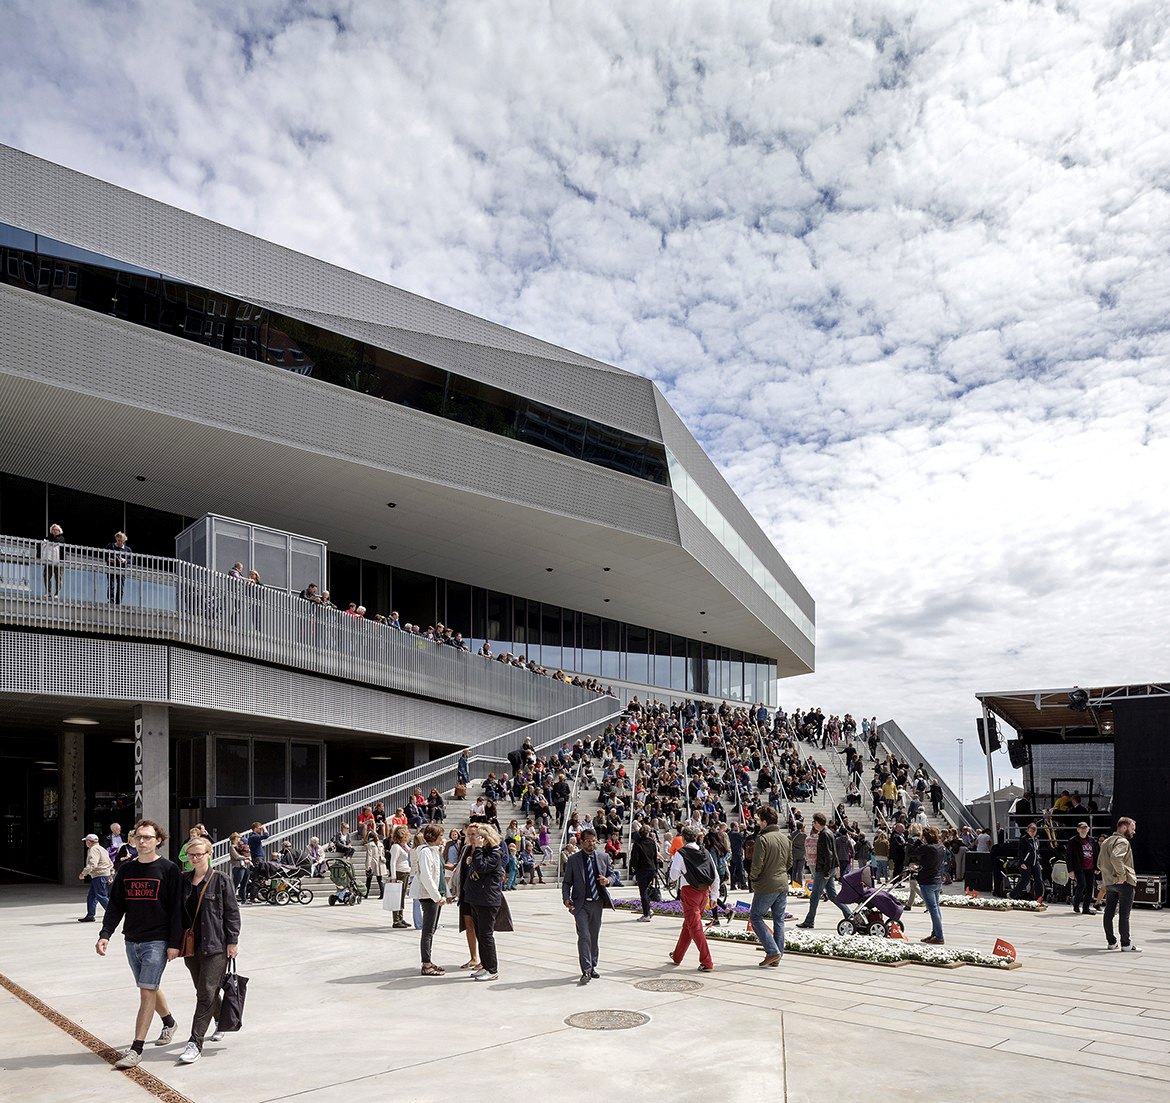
[694,867]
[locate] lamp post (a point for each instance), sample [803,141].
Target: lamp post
[961,795]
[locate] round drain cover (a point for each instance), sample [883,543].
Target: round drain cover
[670,985]
[607,1020]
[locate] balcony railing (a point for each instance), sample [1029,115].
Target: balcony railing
[105,591]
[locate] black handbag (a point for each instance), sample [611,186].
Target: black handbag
[235,990]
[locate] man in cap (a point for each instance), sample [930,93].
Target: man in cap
[98,870]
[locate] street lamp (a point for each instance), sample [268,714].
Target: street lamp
[961,796]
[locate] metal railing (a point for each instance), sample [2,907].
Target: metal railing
[738,806]
[901,745]
[564,839]
[764,744]
[117,592]
[441,773]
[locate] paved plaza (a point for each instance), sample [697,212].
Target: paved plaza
[337,1012]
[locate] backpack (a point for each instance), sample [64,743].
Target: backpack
[700,869]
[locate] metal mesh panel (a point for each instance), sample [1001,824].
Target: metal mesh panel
[64,666]
[1066,762]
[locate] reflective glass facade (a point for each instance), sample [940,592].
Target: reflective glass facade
[150,299]
[704,509]
[551,635]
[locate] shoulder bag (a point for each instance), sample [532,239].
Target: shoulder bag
[187,946]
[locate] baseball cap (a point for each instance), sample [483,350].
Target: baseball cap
[1082,824]
[90,837]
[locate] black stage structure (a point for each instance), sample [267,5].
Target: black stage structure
[1112,743]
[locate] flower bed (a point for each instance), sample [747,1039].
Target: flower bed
[873,951]
[980,903]
[674,908]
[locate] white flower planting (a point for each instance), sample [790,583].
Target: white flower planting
[983,903]
[865,948]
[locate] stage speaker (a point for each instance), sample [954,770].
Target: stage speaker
[990,741]
[1078,699]
[1017,753]
[979,871]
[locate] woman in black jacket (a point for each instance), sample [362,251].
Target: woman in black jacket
[212,912]
[481,889]
[931,857]
[643,865]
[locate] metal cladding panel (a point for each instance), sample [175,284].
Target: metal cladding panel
[619,399]
[699,466]
[64,345]
[701,543]
[49,199]
[231,685]
[66,666]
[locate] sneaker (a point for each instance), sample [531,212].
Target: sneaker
[191,1054]
[128,1060]
[164,1039]
[706,968]
[218,1036]
[1112,946]
[643,919]
[771,959]
[805,926]
[595,974]
[87,919]
[1131,949]
[485,975]
[584,979]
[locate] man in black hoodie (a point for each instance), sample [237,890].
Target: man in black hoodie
[826,872]
[147,892]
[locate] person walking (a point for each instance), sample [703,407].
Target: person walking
[147,893]
[798,838]
[771,862]
[211,913]
[930,856]
[694,868]
[1120,880]
[825,871]
[1031,884]
[482,888]
[399,866]
[98,871]
[643,866]
[561,791]
[428,881]
[583,890]
[375,862]
[1081,854]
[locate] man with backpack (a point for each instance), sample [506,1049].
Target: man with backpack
[694,868]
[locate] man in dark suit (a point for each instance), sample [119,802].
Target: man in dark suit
[584,892]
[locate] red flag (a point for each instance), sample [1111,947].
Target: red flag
[1004,949]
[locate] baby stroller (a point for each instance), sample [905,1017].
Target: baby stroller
[280,884]
[875,911]
[347,889]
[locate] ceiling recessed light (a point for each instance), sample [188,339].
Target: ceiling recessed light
[81,721]
[702,612]
[391,505]
[121,740]
[549,569]
[379,758]
[605,568]
[373,547]
[606,600]
[140,478]
[43,762]
[704,633]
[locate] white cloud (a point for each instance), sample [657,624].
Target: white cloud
[901,266]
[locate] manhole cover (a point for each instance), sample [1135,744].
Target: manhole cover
[607,1020]
[668,985]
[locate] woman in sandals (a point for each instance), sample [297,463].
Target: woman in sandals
[428,880]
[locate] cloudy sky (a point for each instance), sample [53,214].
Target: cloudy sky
[902,267]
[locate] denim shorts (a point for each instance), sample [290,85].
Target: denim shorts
[147,962]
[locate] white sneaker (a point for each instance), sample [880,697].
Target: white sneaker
[1112,946]
[1131,949]
[128,1059]
[164,1039]
[218,1036]
[485,975]
[191,1054]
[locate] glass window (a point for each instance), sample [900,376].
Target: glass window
[480,406]
[376,587]
[696,671]
[735,684]
[307,566]
[270,557]
[22,509]
[88,519]
[678,663]
[479,628]
[590,644]
[661,649]
[414,597]
[154,530]
[231,768]
[232,545]
[637,654]
[306,771]
[345,579]
[520,642]
[499,621]
[458,614]
[569,658]
[269,770]
[710,670]
[550,637]
[548,428]
[612,665]
[406,382]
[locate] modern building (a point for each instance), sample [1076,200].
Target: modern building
[156,367]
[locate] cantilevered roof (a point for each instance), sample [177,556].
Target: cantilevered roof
[1044,713]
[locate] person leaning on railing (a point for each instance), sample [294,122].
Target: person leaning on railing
[52,555]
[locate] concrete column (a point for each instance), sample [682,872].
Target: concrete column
[152,764]
[72,815]
[422,754]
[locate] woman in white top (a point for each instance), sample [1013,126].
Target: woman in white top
[400,864]
[429,888]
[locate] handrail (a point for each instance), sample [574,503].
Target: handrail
[768,755]
[899,743]
[730,769]
[633,800]
[562,726]
[568,816]
[115,592]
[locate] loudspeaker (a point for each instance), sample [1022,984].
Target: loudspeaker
[1078,699]
[979,871]
[1018,753]
[993,736]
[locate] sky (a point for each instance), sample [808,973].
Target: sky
[900,267]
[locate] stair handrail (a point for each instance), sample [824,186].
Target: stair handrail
[738,806]
[898,743]
[584,716]
[568,815]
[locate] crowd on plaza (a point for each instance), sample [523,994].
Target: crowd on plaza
[722,817]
